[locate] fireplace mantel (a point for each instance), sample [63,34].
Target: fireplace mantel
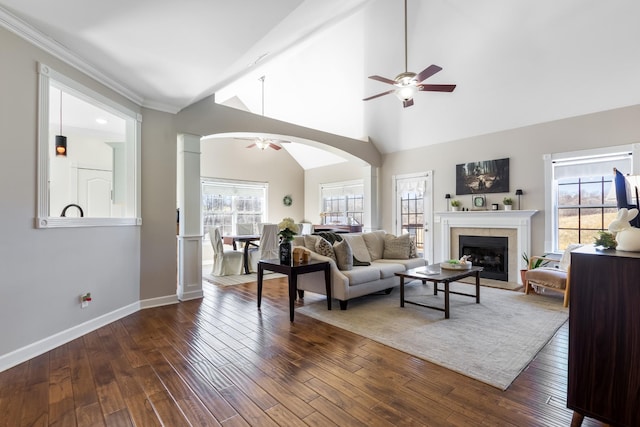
[520,220]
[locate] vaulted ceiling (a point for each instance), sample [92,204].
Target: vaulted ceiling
[516,63]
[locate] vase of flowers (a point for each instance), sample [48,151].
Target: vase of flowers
[288,229]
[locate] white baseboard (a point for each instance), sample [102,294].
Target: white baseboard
[186,296]
[30,351]
[160,301]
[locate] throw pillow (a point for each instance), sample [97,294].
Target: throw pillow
[396,247]
[358,247]
[329,236]
[323,247]
[375,244]
[344,256]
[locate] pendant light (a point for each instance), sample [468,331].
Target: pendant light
[261,143]
[61,140]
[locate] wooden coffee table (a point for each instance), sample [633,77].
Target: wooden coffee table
[445,277]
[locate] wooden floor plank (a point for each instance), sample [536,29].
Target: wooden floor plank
[220,361]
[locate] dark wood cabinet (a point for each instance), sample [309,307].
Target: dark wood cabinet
[604,336]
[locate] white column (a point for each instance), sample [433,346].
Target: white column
[190,231]
[371,197]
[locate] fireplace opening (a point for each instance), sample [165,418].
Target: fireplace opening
[488,252]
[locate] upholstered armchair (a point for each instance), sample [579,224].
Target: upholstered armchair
[554,278]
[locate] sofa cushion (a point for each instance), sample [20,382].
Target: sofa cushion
[375,243]
[396,247]
[547,276]
[407,263]
[358,247]
[388,269]
[359,275]
[298,241]
[310,241]
[323,247]
[344,256]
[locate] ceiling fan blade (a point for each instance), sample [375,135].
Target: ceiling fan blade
[380,94]
[427,72]
[274,146]
[437,88]
[383,80]
[251,146]
[407,102]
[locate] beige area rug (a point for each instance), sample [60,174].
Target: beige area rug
[492,341]
[235,279]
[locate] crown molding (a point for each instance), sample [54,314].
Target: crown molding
[40,40]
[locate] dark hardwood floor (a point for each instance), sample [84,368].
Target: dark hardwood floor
[220,361]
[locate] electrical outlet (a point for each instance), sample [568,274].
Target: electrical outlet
[85,299]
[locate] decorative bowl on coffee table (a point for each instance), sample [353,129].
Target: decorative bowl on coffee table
[457,265]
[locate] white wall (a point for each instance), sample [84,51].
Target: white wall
[315,177]
[230,159]
[158,256]
[44,271]
[524,147]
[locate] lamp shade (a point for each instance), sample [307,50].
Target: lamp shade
[406,92]
[61,145]
[519,192]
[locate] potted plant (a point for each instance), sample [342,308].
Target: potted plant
[455,205]
[605,240]
[508,202]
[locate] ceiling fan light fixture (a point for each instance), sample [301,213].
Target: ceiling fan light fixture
[407,83]
[262,144]
[404,93]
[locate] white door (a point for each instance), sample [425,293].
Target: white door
[94,192]
[413,211]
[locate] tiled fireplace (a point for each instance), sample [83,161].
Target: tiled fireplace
[515,226]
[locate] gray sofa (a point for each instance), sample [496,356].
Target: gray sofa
[385,253]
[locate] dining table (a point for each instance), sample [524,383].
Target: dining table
[248,240]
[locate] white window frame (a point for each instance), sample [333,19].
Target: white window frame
[233,183]
[43,217]
[343,184]
[427,214]
[551,208]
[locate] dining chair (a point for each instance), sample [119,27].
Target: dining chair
[225,262]
[268,246]
[244,229]
[307,228]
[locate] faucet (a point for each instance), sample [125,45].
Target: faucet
[64,211]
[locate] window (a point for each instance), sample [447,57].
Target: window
[228,203]
[342,202]
[96,181]
[581,194]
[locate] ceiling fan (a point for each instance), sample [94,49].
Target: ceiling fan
[262,142]
[407,84]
